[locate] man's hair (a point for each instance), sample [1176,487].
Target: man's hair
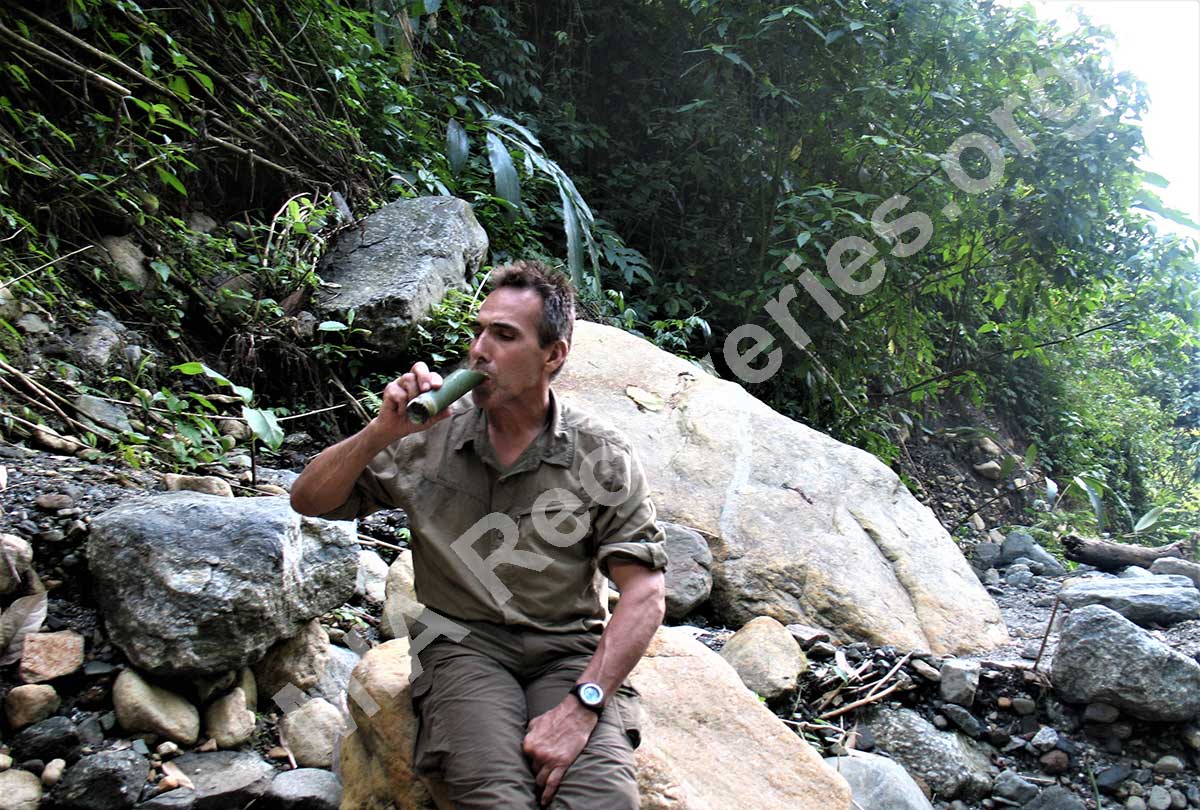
[558,298]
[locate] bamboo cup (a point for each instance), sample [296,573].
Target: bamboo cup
[454,387]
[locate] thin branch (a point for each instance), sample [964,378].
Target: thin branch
[44,266]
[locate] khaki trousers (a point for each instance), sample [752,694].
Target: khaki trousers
[474,700]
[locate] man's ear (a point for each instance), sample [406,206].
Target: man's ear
[558,352]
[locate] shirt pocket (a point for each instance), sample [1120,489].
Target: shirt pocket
[558,525]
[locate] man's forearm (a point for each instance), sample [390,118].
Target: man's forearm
[638,614]
[329,478]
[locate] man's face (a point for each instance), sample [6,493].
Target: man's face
[506,347]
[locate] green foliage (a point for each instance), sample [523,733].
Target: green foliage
[720,138]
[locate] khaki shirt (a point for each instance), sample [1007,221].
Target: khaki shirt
[545,512]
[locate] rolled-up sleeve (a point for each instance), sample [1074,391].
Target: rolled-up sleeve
[629,530]
[374,490]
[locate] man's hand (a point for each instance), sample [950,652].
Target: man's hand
[392,421]
[554,741]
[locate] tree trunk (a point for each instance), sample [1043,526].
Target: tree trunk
[1115,556]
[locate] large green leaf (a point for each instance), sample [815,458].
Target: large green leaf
[458,147]
[1148,520]
[265,426]
[574,239]
[194,368]
[508,186]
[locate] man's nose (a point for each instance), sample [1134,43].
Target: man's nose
[476,351]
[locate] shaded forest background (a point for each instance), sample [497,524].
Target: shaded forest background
[669,154]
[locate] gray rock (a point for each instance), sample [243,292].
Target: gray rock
[96,346]
[878,783]
[1161,599]
[1174,565]
[110,780]
[1033,565]
[1012,786]
[220,580]
[984,556]
[1104,657]
[1101,713]
[201,223]
[105,414]
[336,678]
[372,576]
[1019,578]
[32,324]
[1021,544]
[302,789]
[129,260]
[1045,739]
[960,680]
[689,576]
[965,721]
[1109,779]
[948,762]
[177,799]
[1056,797]
[398,263]
[52,738]
[1133,572]
[226,779]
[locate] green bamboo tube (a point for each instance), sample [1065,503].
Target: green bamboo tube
[454,387]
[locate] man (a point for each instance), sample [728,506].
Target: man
[517,506]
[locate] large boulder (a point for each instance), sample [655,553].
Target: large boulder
[706,740]
[803,528]
[398,263]
[1147,600]
[193,584]
[1103,657]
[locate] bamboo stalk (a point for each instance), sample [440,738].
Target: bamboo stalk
[34,49]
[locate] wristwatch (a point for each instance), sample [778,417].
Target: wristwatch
[591,695]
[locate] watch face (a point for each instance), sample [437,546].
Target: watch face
[591,694]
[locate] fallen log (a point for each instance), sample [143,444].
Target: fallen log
[1114,556]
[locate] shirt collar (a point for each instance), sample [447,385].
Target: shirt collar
[555,445]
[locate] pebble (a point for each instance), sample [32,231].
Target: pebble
[1055,762]
[26,705]
[1178,800]
[53,501]
[1135,803]
[1024,705]
[53,772]
[1045,739]
[6,762]
[926,670]
[1159,798]
[1169,764]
